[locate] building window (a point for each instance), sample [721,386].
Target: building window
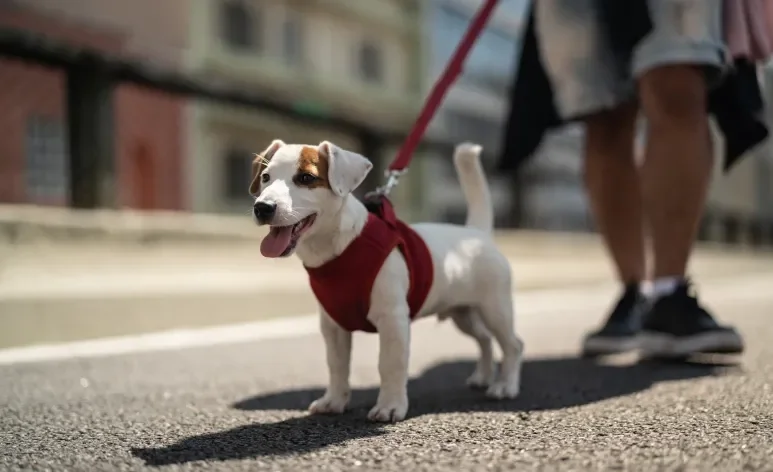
[293,39]
[478,129]
[370,62]
[495,52]
[240,24]
[237,173]
[47,174]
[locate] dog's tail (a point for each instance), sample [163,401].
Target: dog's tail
[480,210]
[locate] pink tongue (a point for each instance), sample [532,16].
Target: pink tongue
[276,241]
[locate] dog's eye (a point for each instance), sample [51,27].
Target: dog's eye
[306,179]
[265,178]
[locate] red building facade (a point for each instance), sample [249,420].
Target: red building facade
[149,127]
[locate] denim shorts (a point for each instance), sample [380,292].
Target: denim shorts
[586,75]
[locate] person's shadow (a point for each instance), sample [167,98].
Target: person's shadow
[546,384]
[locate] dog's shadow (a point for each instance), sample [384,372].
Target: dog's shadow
[547,384]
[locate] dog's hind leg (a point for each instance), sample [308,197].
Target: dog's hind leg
[497,314]
[469,322]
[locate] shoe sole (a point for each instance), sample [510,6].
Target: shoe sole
[605,346]
[668,346]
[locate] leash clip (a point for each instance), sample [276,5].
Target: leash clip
[393,178]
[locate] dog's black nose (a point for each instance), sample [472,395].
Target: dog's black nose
[264,211]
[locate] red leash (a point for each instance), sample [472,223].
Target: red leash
[450,74]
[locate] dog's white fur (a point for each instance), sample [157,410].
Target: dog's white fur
[472,279]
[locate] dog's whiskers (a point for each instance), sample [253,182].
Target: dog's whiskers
[260,159]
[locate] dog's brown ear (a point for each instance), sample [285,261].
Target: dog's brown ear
[261,161]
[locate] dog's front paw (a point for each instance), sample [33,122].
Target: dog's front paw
[504,389]
[329,404]
[390,410]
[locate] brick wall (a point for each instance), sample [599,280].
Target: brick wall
[150,128]
[148,125]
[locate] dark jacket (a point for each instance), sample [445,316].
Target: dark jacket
[736,103]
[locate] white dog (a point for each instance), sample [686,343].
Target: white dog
[304,194]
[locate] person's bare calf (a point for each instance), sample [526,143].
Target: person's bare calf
[674,180]
[678,163]
[612,183]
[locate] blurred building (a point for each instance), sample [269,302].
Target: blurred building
[150,129]
[764,175]
[747,191]
[475,107]
[367,60]
[356,59]
[551,189]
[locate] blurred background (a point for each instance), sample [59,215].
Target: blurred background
[211,81]
[155,107]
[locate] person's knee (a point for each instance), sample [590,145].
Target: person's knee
[671,94]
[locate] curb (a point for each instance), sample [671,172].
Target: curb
[31,321]
[25,322]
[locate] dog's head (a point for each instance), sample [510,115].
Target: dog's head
[296,186]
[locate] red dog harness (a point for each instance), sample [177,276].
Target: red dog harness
[343,285]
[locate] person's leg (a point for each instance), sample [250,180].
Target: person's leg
[672,66]
[586,79]
[612,183]
[677,167]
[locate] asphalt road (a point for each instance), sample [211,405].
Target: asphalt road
[238,403]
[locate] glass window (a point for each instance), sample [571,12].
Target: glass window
[370,62]
[47,159]
[237,173]
[292,39]
[513,8]
[238,24]
[468,127]
[493,55]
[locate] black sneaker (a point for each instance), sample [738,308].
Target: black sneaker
[678,326]
[621,331]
